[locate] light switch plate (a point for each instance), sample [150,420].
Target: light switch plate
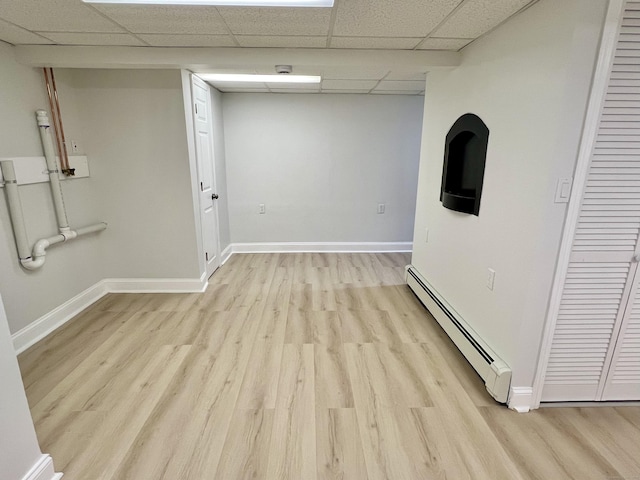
[563,190]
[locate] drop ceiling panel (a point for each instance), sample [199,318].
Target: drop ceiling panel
[479,16]
[283,90]
[400,85]
[93,39]
[177,40]
[55,15]
[396,92]
[433,43]
[356,92]
[167,18]
[281,41]
[223,86]
[19,36]
[375,42]
[294,86]
[400,75]
[242,90]
[277,21]
[385,18]
[349,84]
[360,73]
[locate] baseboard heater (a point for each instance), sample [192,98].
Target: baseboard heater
[495,372]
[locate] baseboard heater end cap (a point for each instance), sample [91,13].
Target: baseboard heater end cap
[498,381]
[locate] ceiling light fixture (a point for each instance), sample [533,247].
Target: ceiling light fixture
[235,3]
[243,77]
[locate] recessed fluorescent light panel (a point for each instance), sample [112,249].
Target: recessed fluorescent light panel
[241,77]
[237,3]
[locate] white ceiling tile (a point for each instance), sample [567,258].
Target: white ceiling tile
[395,92]
[277,21]
[387,18]
[392,43]
[359,73]
[243,90]
[406,75]
[297,70]
[356,91]
[189,19]
[73,38]
[281,41]
[479,16]
[177,40]
[342,92]
[444,43]
[55,16]
[19,36]
[223,86]
[398,85]
[294,86]
[286,90]
[349,84]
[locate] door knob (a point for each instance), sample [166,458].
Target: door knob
[214,196]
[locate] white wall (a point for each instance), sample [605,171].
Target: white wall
[220,170]
[70,268]
[19,450]
[134,134]
[321,164]
[529,81]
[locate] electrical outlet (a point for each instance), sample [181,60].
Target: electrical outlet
[426,235]
[381,208]
[261,209]
[491,278]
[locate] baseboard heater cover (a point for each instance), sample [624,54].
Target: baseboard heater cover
[495,372]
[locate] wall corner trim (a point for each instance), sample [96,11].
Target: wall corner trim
[226,254]
[520,399]
[57,317]
[315,247]
[43,470]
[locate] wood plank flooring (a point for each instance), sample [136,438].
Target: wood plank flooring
[301,367]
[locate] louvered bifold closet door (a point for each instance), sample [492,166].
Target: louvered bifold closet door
[601,275]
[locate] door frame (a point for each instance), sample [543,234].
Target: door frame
[604,62]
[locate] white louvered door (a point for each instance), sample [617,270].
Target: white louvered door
[595,353]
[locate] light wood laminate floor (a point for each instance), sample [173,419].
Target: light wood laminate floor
[295,366]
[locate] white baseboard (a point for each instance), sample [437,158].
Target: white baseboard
[329,247]
[57,317]
[156,285]
[43,326]
[43,470]
[49,322]
[226,254]
[520,399]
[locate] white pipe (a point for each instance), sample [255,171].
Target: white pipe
[39,249]
[52,167]
[15,209]
[34,260]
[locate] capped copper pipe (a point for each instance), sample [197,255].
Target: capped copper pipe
[56,116]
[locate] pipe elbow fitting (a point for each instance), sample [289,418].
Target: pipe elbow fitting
[31,263]
[39,249]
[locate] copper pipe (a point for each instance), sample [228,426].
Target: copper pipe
[53,116]
[65,162]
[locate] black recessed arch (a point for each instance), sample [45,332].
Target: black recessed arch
[465,155]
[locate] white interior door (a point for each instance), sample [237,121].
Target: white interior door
[203,128]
